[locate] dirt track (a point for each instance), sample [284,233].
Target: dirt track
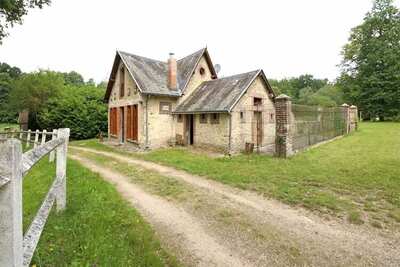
[221,226]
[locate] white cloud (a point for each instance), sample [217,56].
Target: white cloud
[285,38]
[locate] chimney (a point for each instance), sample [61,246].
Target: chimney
[172,72]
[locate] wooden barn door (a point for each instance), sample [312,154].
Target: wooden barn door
[257,128]
[135,122]
[132,123]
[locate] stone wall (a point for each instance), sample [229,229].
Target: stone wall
[243,119]
[215,135]
[161,126]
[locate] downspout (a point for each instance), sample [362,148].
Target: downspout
[147,122]
[230,134]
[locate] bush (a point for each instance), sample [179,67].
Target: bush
[79,108]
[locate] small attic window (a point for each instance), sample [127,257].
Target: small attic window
[242,120]
[257,101]
[202,71]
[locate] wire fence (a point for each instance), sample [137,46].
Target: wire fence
[314,124]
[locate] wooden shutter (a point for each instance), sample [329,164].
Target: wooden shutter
[129,122]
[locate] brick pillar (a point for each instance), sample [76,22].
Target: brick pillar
[283,144]
[345,109]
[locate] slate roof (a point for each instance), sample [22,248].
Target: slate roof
[151,75]
[218,95]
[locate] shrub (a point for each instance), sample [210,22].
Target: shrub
[79,108]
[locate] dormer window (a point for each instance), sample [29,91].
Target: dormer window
[122,83]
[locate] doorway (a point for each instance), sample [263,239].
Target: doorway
[189,129]
[122,123]
[257,131]
[132,123]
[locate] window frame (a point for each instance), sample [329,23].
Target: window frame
[203,120]
[202,71]
[165,103]
[257,101]
[122,82]
[242,117]
[214,120]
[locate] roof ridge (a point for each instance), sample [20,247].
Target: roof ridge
[234,75]
[198,51]
[130,54]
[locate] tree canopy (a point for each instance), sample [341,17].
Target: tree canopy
[7,75]
[371,63]
[12,11]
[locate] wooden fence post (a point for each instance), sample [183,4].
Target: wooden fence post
[28,138]
[53,136]
[61,169]
[11,203]
[44,137]
[36,138]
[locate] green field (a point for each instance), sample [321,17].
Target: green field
[356,177]
[98,227]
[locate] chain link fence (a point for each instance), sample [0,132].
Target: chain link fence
[314,124]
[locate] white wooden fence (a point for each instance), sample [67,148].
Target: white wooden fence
[16,248]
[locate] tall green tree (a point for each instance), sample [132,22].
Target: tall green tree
[12,11]
[32,91]
[371,63]
[73,78]
[7,75]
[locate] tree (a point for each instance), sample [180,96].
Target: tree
[7,75]
[79,108]
[73,78]
[370,74]
[31,91]
[12,11]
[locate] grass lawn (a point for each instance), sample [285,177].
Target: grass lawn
[6,125]
[357,177]
[98,227]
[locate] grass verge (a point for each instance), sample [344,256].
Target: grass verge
[98,227]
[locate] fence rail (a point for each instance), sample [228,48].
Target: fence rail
[16,249]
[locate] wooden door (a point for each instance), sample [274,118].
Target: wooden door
[132,123]
[257,128]
[122,124]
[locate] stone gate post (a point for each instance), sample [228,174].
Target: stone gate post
[283,144]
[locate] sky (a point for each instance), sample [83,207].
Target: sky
[285,38]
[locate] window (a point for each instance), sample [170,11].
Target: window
[257,101]
[242,118]
[180,118]
[165,107]
[214,118]
[202,71]
[122,83]
[203,118]
[271,117]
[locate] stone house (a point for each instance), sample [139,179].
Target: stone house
[154,104]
